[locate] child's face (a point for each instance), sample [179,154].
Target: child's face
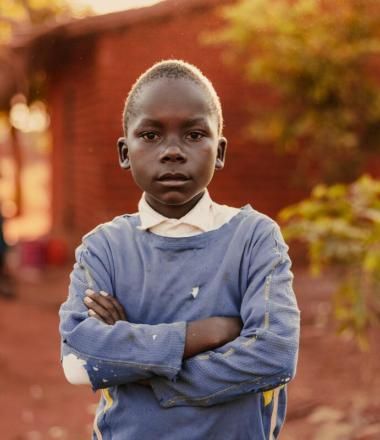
[172,145]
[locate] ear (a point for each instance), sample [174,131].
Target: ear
[221,154]
[122,149]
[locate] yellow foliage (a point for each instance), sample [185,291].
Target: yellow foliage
[316,56]
[340,224]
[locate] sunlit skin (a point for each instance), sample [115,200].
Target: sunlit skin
[172,145]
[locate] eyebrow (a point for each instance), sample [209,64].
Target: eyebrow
[195,121]
[151,122]
[188,123]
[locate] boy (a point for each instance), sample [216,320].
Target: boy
[184,313]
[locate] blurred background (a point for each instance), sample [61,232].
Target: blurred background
[300,89]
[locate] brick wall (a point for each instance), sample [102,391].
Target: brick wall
[86,98]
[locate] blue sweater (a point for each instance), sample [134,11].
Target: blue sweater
[234,392]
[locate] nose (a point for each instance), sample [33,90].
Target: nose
[172,153]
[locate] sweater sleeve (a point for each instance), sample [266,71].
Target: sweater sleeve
[120,353]
[264,356]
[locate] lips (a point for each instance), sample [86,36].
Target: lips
[173,180]
[173,177]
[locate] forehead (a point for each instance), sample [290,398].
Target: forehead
[181,97]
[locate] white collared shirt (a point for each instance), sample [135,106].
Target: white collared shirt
[205,216]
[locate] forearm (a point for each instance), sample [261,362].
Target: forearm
[207,334]
[197,340]
[124,352]
[201,335]
[247,365]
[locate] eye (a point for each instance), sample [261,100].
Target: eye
[195,136]
[149,136]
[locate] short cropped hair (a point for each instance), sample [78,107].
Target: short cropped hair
[176,69]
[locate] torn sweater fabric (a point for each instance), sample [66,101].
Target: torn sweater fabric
[234,392]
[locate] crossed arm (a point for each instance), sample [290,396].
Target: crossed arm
[197,363]
[201,335]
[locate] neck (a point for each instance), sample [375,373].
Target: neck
[173,211]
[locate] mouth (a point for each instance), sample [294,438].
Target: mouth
[172,176]
[173,179]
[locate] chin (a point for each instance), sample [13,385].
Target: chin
[173,197]
[174,200]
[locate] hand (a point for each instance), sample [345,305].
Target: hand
[107,309]
[207,334]
[104,307]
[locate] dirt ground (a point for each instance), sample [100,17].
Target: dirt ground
[335,396]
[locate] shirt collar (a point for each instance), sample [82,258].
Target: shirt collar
[198,217]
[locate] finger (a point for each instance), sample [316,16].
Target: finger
[113,304]
[103,302]
[102,312]
[116,304]
[95,315]
[97,311]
